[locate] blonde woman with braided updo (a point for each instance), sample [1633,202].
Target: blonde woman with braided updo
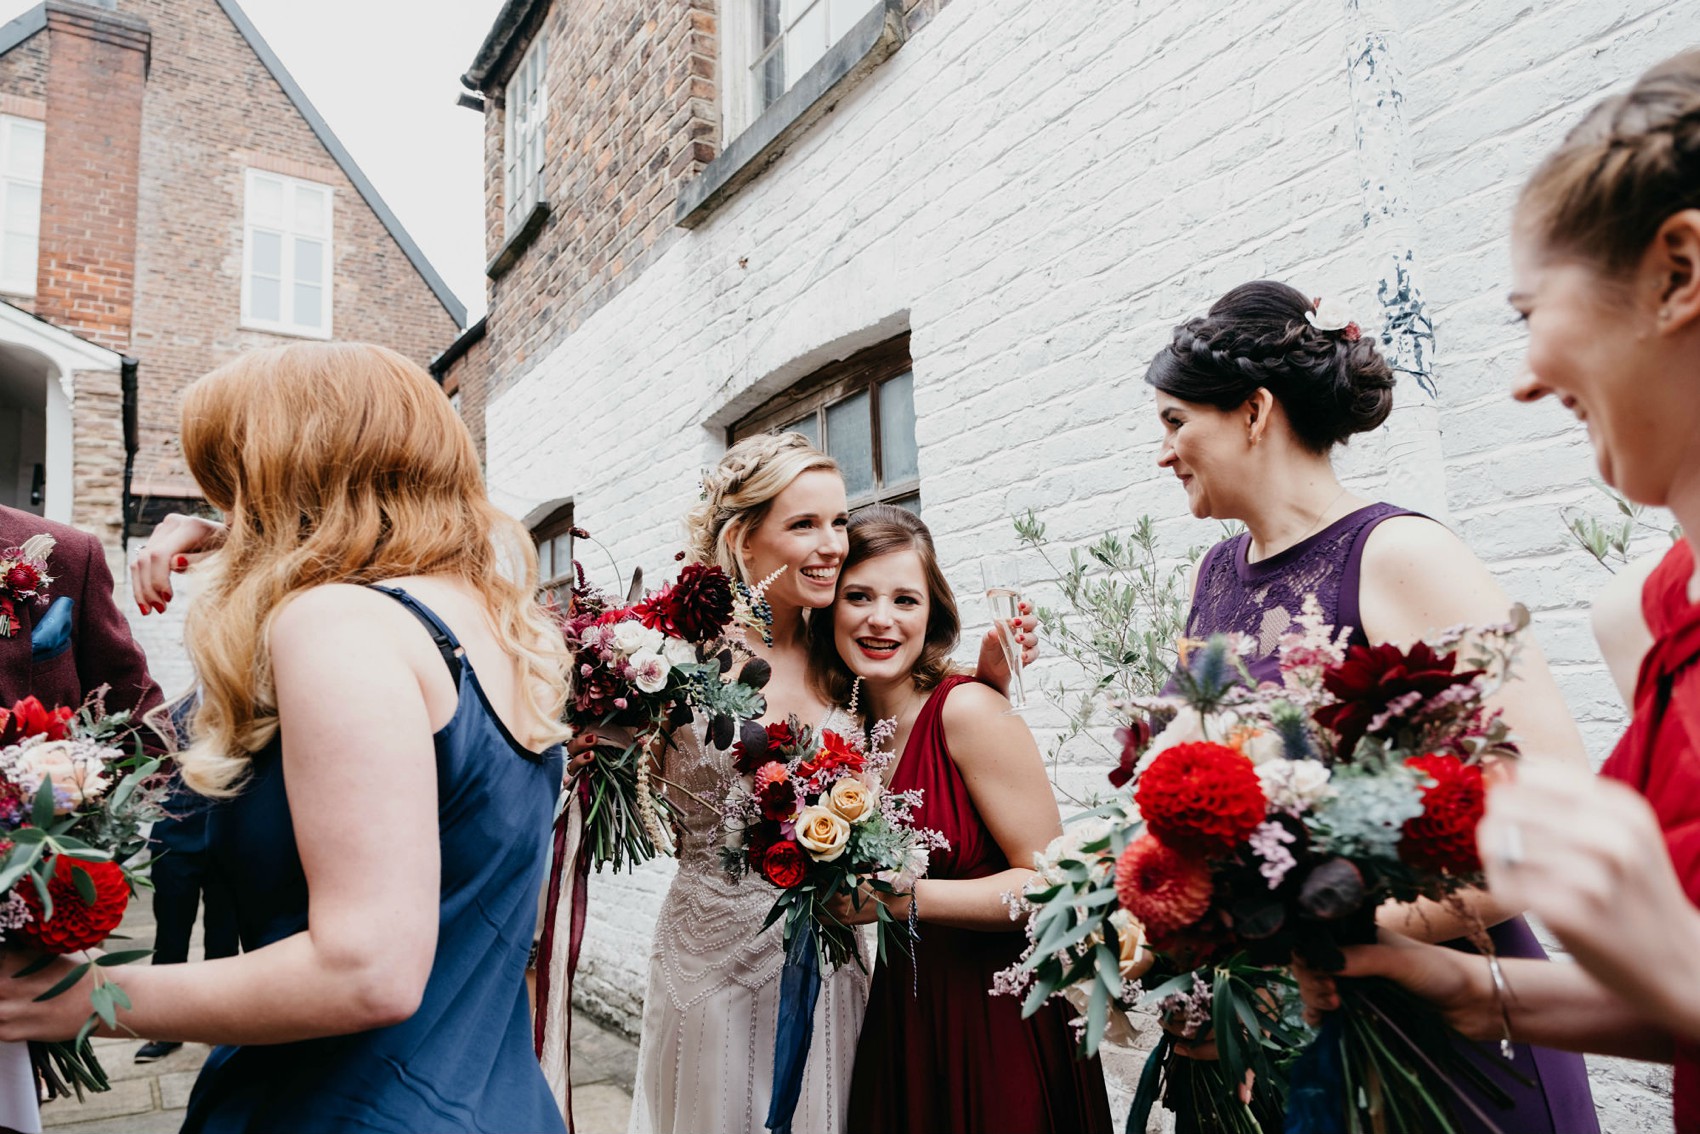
[380,698]
[773,511]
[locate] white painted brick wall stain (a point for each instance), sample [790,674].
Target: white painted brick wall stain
[1038,199]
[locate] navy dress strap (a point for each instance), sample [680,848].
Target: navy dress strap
[447,644]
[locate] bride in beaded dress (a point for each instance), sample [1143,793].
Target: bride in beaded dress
[773,507]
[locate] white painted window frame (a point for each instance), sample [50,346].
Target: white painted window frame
[525,136]
[287,324]
[8,124]
[741,51]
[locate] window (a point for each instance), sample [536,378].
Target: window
[286,256]
[554,539]
[771,44]
[862,412]
[21,143]
[522,154]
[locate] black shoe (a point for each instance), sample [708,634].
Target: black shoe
[155,1050]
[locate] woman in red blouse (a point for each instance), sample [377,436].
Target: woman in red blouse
[1606,259]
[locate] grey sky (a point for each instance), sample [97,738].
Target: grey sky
[385,73]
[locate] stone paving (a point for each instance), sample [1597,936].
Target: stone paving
[149,1098]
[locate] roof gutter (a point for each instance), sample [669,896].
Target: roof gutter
[439,366]
[515,24]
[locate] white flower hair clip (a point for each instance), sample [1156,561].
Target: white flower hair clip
[1333,317]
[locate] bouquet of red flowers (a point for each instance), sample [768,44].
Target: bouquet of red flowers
[76,796]
[647,667]
[1270,823]
[810,814]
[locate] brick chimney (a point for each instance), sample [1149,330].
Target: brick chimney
[96,73]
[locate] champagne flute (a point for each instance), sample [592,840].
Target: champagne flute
[1002,578]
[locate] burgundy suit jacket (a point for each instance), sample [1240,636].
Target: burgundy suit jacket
[102,651]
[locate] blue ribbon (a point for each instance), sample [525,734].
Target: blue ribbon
[799,988]
[1316,1085]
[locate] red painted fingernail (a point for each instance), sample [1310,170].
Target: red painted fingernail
[141,607]
[182,561]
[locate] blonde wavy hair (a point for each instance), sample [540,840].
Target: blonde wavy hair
[339,463]
[739,491]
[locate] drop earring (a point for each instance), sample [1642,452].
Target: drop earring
[855,695]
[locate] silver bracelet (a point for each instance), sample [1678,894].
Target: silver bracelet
[1501,996]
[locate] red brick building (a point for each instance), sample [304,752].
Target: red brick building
[169,198]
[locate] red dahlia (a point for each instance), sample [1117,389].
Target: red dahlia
[30,717]
[1372,677]
[783,864]
[1163,888]
[776,790]
[696,608]
[1443,837]
[76,925]
[23,578]
[1202,798]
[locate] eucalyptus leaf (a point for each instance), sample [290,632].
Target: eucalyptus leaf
[84,884]
[69,981]
[123,957]
[41,812]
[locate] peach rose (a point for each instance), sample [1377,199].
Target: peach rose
[1135,958]
[823,833]
[74,768]
[852,799]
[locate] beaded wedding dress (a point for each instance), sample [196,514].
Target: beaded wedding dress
[705,1059]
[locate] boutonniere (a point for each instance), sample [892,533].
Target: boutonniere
[23,578]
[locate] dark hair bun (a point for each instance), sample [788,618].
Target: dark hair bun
[1257,336]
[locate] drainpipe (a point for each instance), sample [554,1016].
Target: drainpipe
[132,442]
[1415,468]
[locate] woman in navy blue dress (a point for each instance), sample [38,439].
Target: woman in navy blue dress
[380,704]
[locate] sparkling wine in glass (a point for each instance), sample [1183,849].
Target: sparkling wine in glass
[1003,594]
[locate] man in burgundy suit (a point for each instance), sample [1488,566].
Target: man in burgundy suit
[71,657]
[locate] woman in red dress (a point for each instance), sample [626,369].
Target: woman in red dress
[939,1053]
[1606,258]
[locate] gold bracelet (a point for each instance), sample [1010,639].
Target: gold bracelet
[1501,994]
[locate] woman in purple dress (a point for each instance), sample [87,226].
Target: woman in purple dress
[1253,397]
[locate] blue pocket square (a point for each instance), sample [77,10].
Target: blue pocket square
[52,634]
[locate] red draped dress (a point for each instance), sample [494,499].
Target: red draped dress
[938,1052]
[1660,755]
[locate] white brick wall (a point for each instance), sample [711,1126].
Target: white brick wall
[1038,192]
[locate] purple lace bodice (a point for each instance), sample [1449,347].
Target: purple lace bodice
[1262,600]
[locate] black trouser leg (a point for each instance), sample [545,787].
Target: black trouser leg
[176,900]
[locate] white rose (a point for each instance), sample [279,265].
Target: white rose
[74,767]
[1294,785]
[677,651]
[1330,315]
[653,640]
[649,671]
[1258,741]
[629,636]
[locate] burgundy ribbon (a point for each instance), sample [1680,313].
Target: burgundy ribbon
[546,1001]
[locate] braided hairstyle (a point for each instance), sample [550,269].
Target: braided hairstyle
[1331,385]
[1627,167]
[738,491]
